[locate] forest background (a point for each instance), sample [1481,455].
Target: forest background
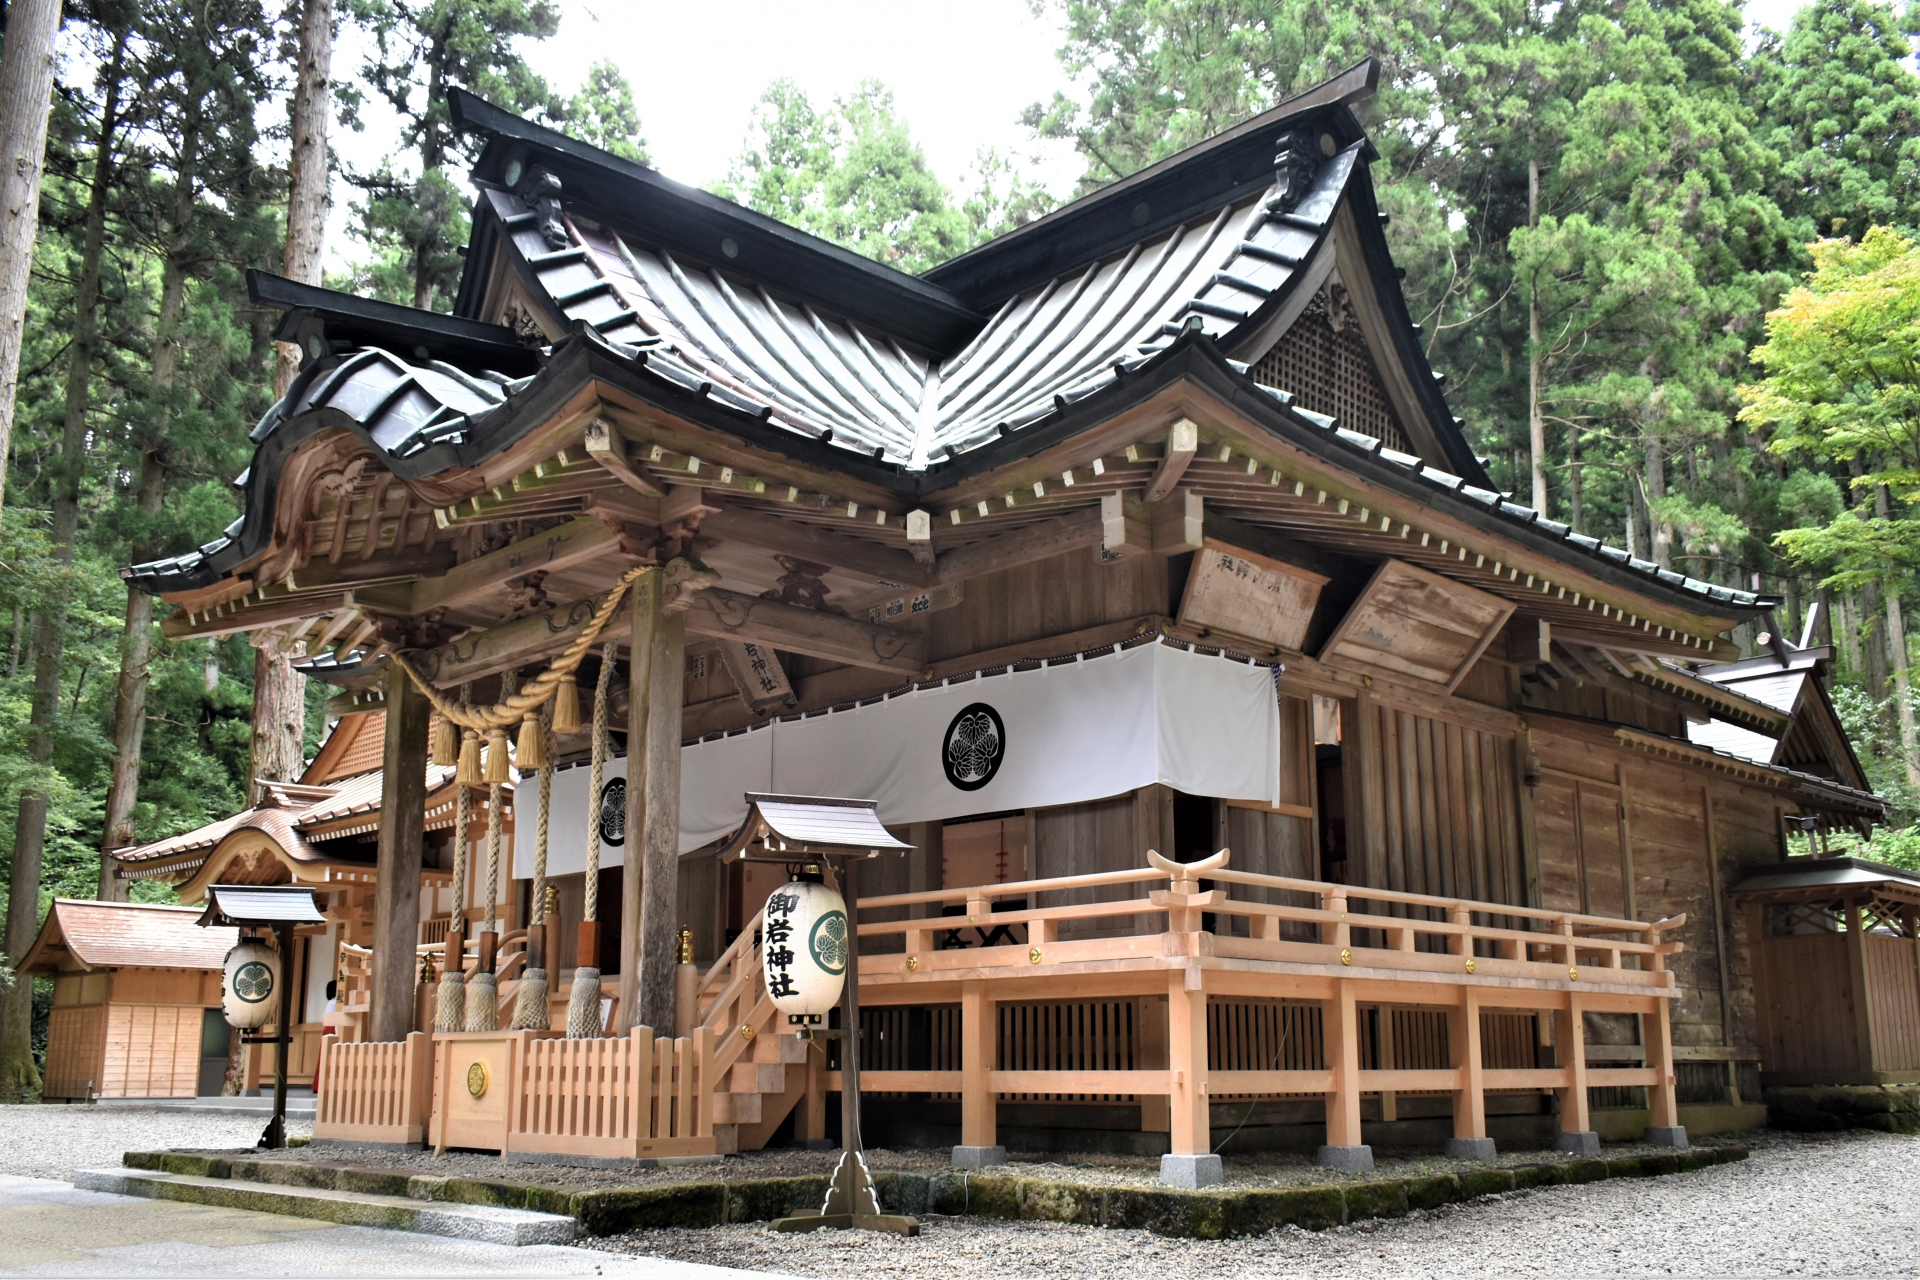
[1597,204]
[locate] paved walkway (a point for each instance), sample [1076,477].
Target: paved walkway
[49,1229]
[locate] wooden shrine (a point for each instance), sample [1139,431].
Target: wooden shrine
[1266,772]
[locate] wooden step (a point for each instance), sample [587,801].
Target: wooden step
[757,1077]
[768,1047]
[736,1108]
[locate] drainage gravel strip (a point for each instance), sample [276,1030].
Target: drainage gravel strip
[1204,1215]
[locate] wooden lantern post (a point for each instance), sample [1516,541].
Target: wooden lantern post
[790,829]
[280,908]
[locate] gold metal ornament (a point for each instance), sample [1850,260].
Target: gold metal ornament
[1033,955]
[1346,956]
[1573,973]
[477,1079]
[1469,964]
[746,1031]
[913,962]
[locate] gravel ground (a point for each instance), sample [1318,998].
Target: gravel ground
[1264,1169]
[1840,1205]
[52,1141]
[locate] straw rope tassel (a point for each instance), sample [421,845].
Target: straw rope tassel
[583,1002]
[530,1003]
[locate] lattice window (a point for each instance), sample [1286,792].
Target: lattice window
[1324,361]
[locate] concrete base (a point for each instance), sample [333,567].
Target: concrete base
[349,1209]
[1190,1173]
[1667,1135]
[1345,1159]
[1470,1149]
[978,1157]
[1583,1143]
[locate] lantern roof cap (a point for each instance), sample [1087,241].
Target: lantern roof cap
[811,825]
[250,904]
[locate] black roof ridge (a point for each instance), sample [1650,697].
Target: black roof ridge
[370,322]
[1094,226]
[697,223]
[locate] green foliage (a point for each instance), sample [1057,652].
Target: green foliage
[1842,109]
[854,175]
[412,213]
[603,114]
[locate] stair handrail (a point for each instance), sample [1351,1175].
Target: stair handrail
[729,977]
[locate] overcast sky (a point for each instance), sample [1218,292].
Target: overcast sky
[960,74]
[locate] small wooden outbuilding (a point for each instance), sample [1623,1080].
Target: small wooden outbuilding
[1836,970]
[136,1000]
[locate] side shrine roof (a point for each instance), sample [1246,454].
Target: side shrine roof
[127,934]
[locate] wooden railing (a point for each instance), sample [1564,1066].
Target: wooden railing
[374,1091]
[1403,992]
[629,1097]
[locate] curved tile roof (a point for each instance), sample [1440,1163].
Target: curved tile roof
[127,935]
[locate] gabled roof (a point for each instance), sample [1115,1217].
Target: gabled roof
[758,332]
[1811,739]
[127,934]
[300,831]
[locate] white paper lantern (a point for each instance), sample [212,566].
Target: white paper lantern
[804,947]
[250,986]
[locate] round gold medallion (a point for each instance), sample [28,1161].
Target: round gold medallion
[1033,955]
[477,1079]
[1469,964]
[1346,956]
[1573,974]
[746,1031]
[913,962]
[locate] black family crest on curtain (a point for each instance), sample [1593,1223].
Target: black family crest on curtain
[976,743]
[613,812]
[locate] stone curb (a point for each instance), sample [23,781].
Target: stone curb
[352,1208]
[1204,1215]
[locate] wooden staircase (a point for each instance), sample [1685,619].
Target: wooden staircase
[765,1068]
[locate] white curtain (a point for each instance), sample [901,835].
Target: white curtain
[1064,734]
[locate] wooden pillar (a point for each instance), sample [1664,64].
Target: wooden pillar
[1570,1053]
[396,894]
[650,887]
[1342,1040]
[978,1046]
[1657,1030]
[1190,1133]
[1862,996]
[1470,1099]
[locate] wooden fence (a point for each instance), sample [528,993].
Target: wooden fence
[630,1097]
[374,1090]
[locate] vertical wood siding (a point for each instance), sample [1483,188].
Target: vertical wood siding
[1442,807]
[76,1048]
[1893,994]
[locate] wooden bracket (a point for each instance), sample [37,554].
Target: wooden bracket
[1183,441]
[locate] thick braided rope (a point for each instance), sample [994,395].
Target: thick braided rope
[495,792]
[593,782]
[483,995]
[530,1001]
[583,1002]
[540,818]
[460,838]
[513,708]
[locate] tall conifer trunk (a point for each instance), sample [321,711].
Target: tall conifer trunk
[307,167]
[26,92]
[17,1070]
[1536,419]
[136,638]
[280,692]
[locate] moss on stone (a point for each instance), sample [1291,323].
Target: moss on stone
[1486,1182]
[609,1213]
[1434,1191]
[1376,1200]
[1579,1171]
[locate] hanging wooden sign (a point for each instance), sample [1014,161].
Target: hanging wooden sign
[1417,625]
[757,673]
[1250,595]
